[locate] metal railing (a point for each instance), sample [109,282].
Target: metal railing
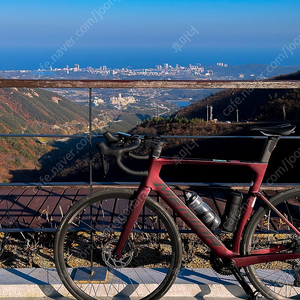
[118,84]
[122,84]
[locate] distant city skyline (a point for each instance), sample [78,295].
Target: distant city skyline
[36,31]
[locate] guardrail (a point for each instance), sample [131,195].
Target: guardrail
[157,84]
[118,84]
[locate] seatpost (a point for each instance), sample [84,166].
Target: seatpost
[269,147]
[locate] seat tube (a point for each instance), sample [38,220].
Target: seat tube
[269,147]
[135,210]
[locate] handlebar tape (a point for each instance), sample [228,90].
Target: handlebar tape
[117,152]
[110,138]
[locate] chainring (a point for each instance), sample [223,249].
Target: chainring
[218,265]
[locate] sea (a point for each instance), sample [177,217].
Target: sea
[34,58]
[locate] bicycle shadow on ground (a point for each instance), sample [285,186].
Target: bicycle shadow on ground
[30,277]
[206,279]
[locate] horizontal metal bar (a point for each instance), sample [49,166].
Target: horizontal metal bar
[11,230]
[15,230]
[136,183]
[44,135]
[41,185]
[162,136]
[224,137]
[170,84]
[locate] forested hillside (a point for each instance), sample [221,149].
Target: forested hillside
[252,104]
[24,110]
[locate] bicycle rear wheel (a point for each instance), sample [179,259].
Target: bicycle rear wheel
[88,234]
[276,279]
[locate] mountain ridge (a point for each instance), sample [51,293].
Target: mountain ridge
[252,104]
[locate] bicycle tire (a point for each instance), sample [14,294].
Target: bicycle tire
[161,250]
[274,280]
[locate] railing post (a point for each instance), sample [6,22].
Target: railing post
[90,142]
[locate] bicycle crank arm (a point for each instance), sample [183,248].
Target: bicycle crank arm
[242,281]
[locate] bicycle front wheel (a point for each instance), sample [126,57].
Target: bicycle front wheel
[90,231]
[275,279]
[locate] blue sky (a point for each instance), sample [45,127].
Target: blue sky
[239,24]
[150,23]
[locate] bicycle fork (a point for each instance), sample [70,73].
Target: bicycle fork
[135,210]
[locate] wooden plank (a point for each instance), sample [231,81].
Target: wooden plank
[56,204]
[69,196]
[65,202]
[42,218]
[4,191]
[26,216]
[6,204]
[82,192]
[105,213]
[105,217]
[19,206]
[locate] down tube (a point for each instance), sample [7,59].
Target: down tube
[192,220]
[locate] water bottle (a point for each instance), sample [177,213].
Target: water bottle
[203,211]
[232,212]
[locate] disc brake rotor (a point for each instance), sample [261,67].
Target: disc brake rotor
[108,254]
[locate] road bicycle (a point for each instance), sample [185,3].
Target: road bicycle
[119,243]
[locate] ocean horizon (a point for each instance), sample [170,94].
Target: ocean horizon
[35,58]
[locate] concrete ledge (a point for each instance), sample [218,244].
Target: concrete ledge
[195,283]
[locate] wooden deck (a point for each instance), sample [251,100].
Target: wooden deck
[28,208]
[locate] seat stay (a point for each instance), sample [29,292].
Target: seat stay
[275,210]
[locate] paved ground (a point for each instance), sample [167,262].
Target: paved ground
[164,298]
[191,284]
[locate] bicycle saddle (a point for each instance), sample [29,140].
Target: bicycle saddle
[283,129]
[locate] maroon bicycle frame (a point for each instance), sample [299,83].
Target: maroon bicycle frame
[155,183]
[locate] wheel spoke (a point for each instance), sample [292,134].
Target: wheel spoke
[275,279]
[88,235]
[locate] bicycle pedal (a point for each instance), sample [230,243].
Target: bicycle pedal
[254,296]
